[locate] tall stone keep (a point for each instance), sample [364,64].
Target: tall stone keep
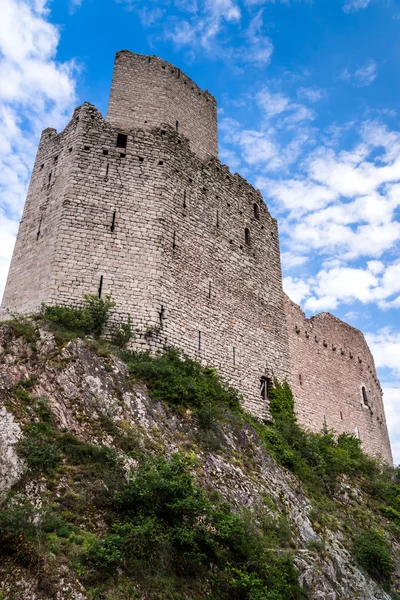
[139,206]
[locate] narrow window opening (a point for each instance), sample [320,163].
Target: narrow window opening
[55,158]
[341,415]
[160,162]
[161,315]
[122,155]
[70,150]
[217,219]
[174,241]
[209,289]
[364,397]
[256,210]
[148,60]
[38,231]
[105,152]
[50,178]
[41,166]
[122,139]
[141,158]
[113,220]
[184,199]
[107,168]
[199,341]
[179,73]
[100,286]
[177,125]
[234,355]
[266,386]
[247,236]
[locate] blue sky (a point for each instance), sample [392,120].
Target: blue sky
[308,95]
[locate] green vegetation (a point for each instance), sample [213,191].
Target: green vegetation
[90,318]
[157,531]
[373,552]
[174,537]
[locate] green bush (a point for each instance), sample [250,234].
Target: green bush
[180,381]
[373,553]
[38,447]
[165,523]
[91,318]
[122,333]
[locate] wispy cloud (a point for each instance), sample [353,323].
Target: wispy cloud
[312,94]
[354,5]
[363,76]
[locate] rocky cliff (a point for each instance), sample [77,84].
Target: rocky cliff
[75,426]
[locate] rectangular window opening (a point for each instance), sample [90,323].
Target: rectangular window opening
[199,341]
[107,168]
[100,286]
[209,290]
[174,241]
[122,139]
[177,125]
[113,220]
[105,152]
[50,178]
[234,355]
[266,385]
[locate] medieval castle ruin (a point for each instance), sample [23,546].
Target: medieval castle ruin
[138,206]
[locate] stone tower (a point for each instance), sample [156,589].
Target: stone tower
[139,206]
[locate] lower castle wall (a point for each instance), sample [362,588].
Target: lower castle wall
[330,364]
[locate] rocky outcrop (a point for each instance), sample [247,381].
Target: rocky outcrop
[83,389]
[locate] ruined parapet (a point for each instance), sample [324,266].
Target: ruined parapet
[334,380]
[147,91]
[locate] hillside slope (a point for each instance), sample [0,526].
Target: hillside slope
[75,421]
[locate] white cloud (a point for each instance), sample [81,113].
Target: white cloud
[312,94]
[291,260]
[36,92]
[259,49]
[385,347]
[354,5]
[366,74]
[363,76]
[296,289]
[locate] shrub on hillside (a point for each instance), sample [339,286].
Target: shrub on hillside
[373,553]
[167,526]
[90,318]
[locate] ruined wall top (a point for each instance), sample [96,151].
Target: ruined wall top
[147,92]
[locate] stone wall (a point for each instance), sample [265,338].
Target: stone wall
[165,234]
[185,248]
[147,91]
[330,365]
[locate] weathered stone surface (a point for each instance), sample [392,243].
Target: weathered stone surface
[189,250]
